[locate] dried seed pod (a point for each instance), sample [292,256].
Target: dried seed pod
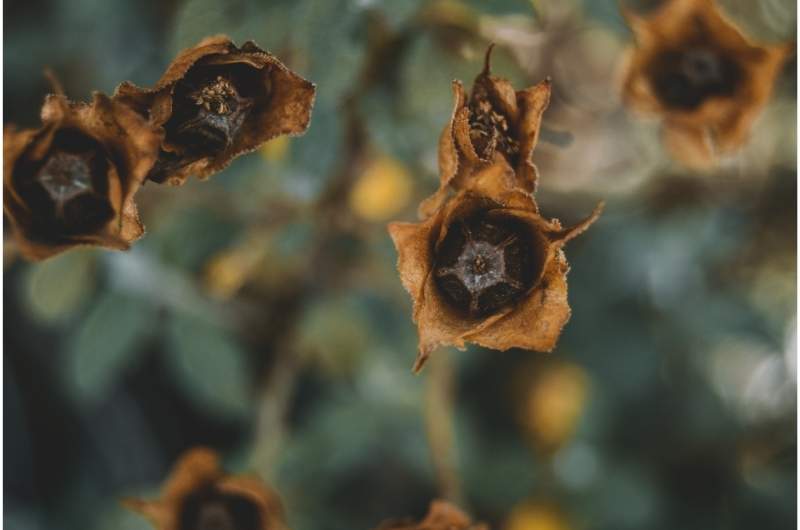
[486,268]
[199,496]
[217,101]
[492,121]
[695,69]
[72,181]
[441,516]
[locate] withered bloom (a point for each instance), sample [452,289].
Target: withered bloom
[217,101]
[492,121]
[441,516]
[72,181]
[199,496]
[486,268]
[694,68]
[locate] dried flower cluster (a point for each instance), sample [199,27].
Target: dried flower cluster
[484,266]
[73,181]
[701,75]
[198,495]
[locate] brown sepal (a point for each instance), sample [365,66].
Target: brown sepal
[699,127]
[196,479]
[52,210]
[264,99]
[441,516]
[534,316]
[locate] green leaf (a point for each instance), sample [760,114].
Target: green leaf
[209,365]
[56,287]
[106,343]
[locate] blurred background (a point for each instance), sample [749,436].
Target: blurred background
[262,314]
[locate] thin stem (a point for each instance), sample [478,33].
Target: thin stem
[439,423]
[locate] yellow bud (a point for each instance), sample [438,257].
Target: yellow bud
[382,190]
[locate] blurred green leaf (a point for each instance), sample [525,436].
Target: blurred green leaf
[57,286]
[209,365]
[106,343]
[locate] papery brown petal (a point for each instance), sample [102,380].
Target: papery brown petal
[692,146]
[533,102]
[501,93]
[567,234]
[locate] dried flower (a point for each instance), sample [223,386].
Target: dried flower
[441,516]
[72,181]
[493,121]
[216,102]
[199,496]
[487,268]
[695,69]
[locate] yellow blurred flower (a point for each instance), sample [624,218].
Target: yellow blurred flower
[554,403]
[536,516]
[382,190]
[230,269]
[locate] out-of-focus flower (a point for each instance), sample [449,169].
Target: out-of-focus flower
[553,400]
[487,268]
[492,121]
[217,101]
[695,69]
[537,515]
[382,190]
[441,516]
[72,182]
[199,496]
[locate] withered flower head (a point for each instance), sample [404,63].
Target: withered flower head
[694,68]
[72,181]
[486,268]
[441,516]
[217,101]
[492,121]
[199,496]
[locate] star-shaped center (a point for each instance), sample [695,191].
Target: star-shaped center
[65,176]
[482,277]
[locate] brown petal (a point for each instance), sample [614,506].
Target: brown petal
[692,146]
[501,93]
[449,163]
[533,102]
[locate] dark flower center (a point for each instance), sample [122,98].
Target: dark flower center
[67,190]
[207,114]
[210,509]
[486,263]
[685,79]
